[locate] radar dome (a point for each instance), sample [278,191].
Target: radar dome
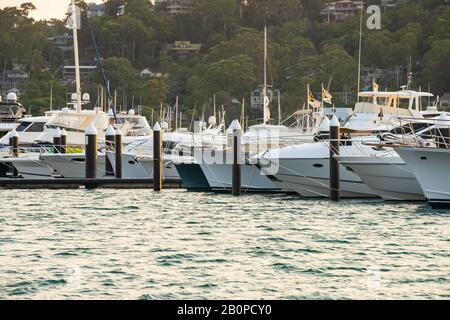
[11,96]
[73,97]
[86,97]
[164,125]
[212,120]
[131,112]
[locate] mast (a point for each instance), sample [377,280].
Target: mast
[176,113]
[266,110]
[279,108]
[243,110]
[76,58]
[51,95]
[214,104]
[359,54]
[307,106]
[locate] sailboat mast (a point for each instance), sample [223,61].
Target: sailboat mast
[359,54]
[76,57]
[279,108]
[176,113]
[266,111]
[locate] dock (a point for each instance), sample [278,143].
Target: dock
[70,183]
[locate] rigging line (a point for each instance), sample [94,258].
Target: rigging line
[102,70]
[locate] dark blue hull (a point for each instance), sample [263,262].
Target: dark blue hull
[192,177]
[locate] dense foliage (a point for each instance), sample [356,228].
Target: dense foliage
[302,50]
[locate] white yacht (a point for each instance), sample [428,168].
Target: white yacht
[74,122]
[376,109]
[383,170]
[305,170]
[430,167]
[257,139]
[11,111]
[28,130]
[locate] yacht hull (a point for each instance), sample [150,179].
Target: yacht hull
[73,165]
[169,171]
[130,167]
[33,168]
[310,178]
[192,177]
[430,167]
[219,177]
[389,177]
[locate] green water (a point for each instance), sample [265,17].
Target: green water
[137,244]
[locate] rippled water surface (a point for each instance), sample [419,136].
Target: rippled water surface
[137,244]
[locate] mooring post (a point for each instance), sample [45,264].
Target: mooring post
[118,154]
[57,140]
[334,164]
[157,158]
[63,141]
[109,143]
[14,144]
[236,178]
[91,152]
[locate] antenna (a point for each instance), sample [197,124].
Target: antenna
[76,57]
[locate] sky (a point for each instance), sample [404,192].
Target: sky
[45,9]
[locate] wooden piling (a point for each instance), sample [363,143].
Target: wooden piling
[14,145]
[109,143]
[91,152]
[334,164]
[118,153]
[236,172]
[63,141]
[157,158]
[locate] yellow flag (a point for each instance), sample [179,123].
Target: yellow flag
[375,86]
[312,100]
[326,96]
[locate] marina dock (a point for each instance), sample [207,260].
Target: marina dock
[67,183]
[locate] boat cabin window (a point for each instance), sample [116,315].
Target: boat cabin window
[403,103]
[22,126]
[36,127]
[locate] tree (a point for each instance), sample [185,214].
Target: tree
[437,64]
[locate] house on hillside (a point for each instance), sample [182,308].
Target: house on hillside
[178,7]
[95,10]
[146,73]
[182,48]
[340,10]
[391,3]
[257,102]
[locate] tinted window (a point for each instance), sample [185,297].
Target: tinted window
[36,127]
[22,126]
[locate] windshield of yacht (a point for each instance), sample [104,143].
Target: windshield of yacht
[409,128]
[10,111]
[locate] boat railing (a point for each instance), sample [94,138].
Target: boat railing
[47,149]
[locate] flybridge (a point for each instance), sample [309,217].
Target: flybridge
[402,94]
